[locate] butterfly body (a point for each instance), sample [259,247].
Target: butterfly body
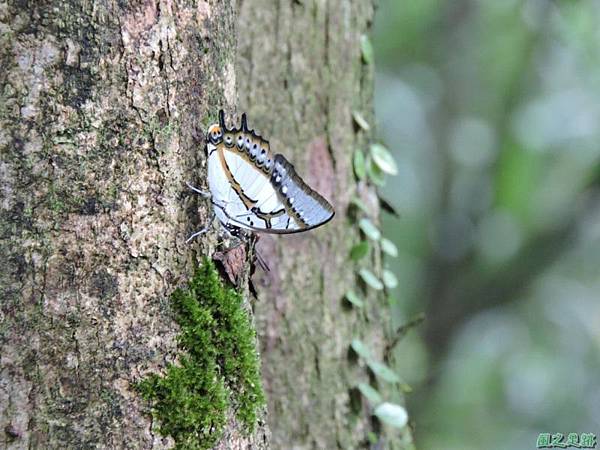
[254,189]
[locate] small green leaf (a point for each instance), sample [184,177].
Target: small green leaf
[384,159]
[370,230]
[375,174]
[354,299]
[405,388]
[360,164]
[389,279]
[389,247]
[384,372]
[361,121]
[366,49]
[372,437]
[392,414]
[370,279]
[359,251]
[359,204]
[361,349]
[370,393]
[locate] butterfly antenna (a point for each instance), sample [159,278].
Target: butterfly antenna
[261,262]
[222,120]
[244,123]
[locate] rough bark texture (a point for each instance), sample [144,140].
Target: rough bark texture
[103,107]
[300,76]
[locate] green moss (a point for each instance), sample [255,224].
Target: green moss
[218,367]
[55,202]
[162,129]
[209,119]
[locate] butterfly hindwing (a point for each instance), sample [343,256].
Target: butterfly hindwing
[305,206]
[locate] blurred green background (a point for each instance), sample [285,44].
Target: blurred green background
[491,109]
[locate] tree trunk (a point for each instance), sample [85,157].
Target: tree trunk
[104,106]
[300,77]
[103,112]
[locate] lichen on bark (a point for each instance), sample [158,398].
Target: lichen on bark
[300,77]
[102,113]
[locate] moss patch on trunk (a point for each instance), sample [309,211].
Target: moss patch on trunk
[218,367]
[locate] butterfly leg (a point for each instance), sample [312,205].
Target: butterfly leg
[261,261]
[202,193]
[203,230]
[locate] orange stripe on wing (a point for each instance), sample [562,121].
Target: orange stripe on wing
[247,201]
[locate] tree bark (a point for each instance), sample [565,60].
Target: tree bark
[300,77]
[104,106]
[103,111]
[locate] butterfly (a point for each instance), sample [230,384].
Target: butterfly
[253,189]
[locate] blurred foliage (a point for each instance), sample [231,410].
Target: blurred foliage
[491,109]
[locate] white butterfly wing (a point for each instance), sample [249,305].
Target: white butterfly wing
[257,191]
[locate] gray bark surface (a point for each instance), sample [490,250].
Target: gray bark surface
[300,77]
[103,108]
